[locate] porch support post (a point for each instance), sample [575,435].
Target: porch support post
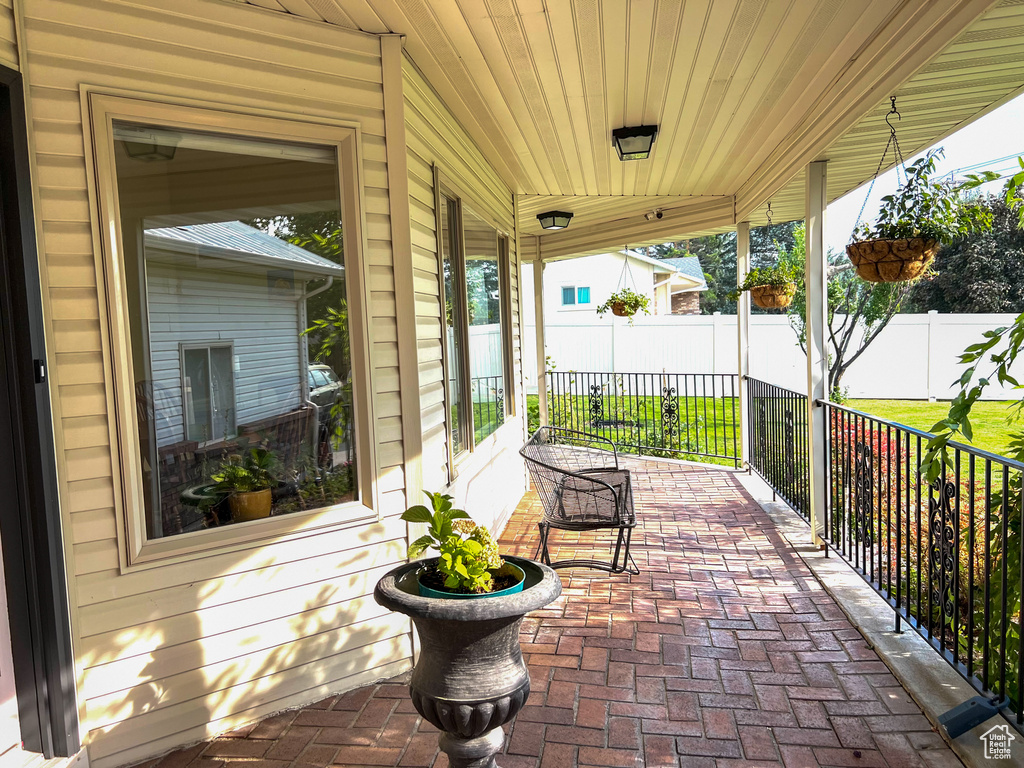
[815,279]
[743,336]
[538,314]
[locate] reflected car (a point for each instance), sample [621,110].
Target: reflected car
[324,389]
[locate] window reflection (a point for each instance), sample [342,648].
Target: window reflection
[454,331]
[234,265]
[483,297]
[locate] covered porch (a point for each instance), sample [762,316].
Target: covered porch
[440,132]
[725,651]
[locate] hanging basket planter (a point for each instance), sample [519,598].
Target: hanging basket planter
[773,296]
[892,261]
[625,303]
[913,222]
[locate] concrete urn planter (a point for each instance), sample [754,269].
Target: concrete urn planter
[470,678]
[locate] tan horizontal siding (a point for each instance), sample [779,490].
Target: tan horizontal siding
[176,652]
[434,137]
[8,35]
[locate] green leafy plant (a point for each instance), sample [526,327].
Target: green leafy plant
[468,552]
[631,302]
[782,274]
[999,347]
[930,209]
[252,471]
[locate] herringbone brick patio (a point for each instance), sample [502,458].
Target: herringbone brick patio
[724,652]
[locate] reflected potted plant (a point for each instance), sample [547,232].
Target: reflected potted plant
[625,302]
[915,220]
[470,678]
[248,480]
[770,287]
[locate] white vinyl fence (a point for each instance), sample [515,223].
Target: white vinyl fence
[914,358]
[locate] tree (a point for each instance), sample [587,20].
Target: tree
[326,312]
[858,311]
[981,273]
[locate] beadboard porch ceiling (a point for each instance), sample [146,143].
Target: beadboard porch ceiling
[746,93]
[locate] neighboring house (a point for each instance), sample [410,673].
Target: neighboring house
[684,295]
[251,338]
[226,307]
[573,287]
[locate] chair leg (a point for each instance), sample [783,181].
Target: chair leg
[542,546]
[627,557]
[625,536]
[616,568]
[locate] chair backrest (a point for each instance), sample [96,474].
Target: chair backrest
[554,457]
[570,451]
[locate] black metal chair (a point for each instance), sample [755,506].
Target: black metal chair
[581,488]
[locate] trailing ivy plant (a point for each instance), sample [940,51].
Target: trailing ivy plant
[780,275]
[928,208]
[631,301]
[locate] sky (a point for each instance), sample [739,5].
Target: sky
[1000,134]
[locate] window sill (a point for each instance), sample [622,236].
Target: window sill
[250,535]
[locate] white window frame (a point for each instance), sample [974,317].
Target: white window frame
[586,303]
[136,551]
[562,297]
[445,187]
[207,345]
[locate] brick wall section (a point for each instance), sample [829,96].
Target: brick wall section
[686,303]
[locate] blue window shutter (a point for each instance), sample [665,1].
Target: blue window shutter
[568,296]
[583,295]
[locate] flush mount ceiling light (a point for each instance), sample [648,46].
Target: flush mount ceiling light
[554,219]
[634,143]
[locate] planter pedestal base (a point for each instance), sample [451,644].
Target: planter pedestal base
[470,678]
[473,753]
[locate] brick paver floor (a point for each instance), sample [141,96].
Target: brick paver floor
[724,652]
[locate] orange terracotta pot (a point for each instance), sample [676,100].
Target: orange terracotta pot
[250,505]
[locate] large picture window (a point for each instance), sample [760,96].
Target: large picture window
[234,274]
[474,260]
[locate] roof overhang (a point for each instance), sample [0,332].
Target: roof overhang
[745,94]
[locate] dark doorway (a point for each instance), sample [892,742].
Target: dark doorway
[30,528]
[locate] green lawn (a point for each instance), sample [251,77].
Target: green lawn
[702,426]
[989,418]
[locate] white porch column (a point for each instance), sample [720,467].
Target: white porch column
[538,314]
[816,278]
[743,335]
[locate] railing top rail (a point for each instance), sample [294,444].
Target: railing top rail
[776,386]
[969,449]
[643,373]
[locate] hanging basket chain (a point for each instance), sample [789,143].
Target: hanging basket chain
[626,272]
[897,158]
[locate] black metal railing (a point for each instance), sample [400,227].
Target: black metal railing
[946,555]
[673,415]
[777,427]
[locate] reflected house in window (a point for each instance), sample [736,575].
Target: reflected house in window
[226,307]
